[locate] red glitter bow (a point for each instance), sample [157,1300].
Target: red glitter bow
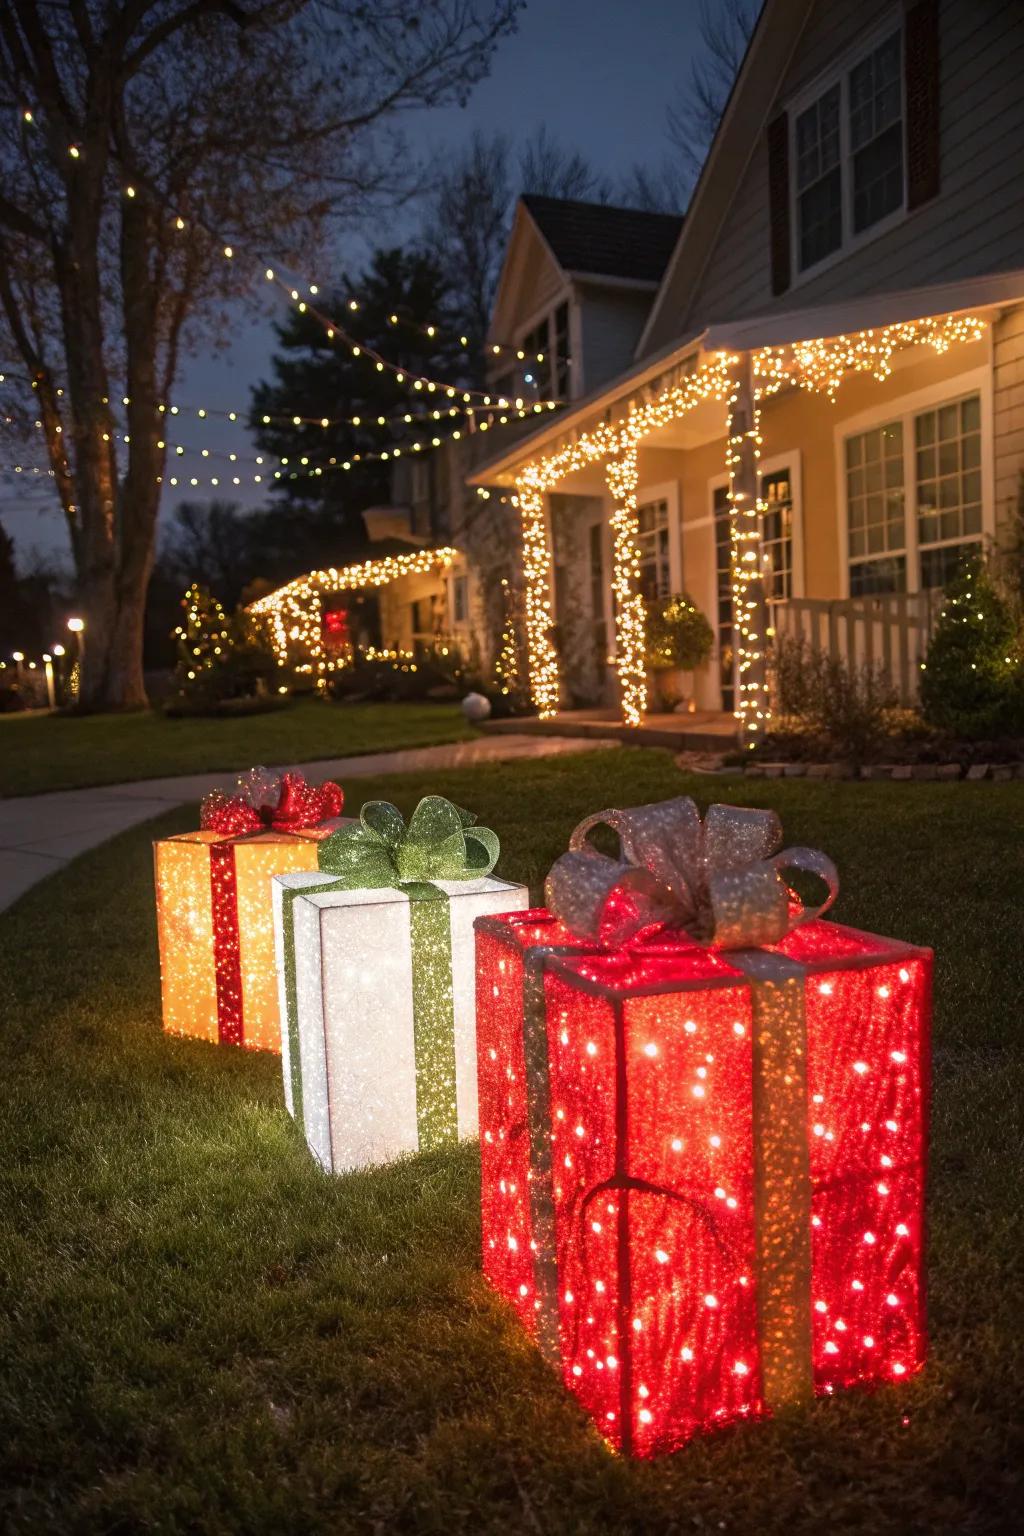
[297,806]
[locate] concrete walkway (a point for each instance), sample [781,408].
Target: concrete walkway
[42,833]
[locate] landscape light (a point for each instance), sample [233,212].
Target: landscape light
[76,626]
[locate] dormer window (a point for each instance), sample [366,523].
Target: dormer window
[848,155]
[547,379]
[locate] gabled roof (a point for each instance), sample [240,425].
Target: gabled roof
[598,240]
[746,113]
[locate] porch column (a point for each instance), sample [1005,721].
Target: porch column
[749,600]
[543,659]
[630,615]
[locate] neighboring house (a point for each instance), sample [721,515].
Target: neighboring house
[575,291]
[853,258]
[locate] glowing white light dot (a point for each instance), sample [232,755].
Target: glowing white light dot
[869,1238]
[645,1415]
[661,1255]
[861,1067]
[710,1301]
[650,1049]
[697,1090]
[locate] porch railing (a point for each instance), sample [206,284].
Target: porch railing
[889,631]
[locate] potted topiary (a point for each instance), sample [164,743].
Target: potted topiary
[679,639]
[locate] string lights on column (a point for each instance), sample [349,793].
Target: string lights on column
[749,609]
[630,618]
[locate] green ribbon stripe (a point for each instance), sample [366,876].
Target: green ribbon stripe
[381,852]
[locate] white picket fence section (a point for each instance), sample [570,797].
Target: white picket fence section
[890,631]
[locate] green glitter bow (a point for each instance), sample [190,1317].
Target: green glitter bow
[379,851]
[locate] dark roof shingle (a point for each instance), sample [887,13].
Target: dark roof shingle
[606,241]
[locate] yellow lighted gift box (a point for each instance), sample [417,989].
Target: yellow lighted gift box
[185,924]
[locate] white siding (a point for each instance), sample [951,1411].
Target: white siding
[974,226]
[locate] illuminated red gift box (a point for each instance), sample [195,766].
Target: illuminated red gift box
[702,1171]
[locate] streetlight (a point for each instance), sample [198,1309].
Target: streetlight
[77,628]
[58,650]
[50,695]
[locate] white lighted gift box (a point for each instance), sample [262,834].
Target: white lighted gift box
[376,967]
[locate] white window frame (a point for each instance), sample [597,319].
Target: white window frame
[771,466]
[545,315]
[668,492]
[978,381]
[839,74]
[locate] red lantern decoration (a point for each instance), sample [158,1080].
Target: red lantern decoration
[703,1170]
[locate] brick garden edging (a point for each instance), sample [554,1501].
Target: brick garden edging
[930,772]
[712,765]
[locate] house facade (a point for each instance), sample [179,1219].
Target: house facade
[824,407]
[575,291]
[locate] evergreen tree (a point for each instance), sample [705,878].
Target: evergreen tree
[204,649]
[971,684]
[318,379]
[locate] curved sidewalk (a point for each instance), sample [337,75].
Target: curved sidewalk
[41,833]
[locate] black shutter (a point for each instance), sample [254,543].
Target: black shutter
[778,196]
[921,80]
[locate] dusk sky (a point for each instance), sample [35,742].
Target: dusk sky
[597,73]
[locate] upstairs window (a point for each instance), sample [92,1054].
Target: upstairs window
[819,179]
[848,155]
[876,135]
[546,368]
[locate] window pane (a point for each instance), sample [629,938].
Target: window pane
[875,516]
[889,575]
[948,500]
[821,219]
[939,565]
[876,134]
[878,178]
[652,542]
[819,179]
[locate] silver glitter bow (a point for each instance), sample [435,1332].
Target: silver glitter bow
[718,880]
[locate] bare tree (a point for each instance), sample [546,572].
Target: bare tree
[467,221]
[692,122]
[149,150]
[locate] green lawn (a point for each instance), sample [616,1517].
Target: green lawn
[201,1332]
[41,752]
